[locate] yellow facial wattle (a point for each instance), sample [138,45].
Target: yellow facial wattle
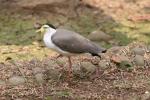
[41,30]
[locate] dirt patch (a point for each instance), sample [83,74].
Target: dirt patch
[48,78]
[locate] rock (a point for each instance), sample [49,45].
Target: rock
[16,80]
[2,82]
[37,70]
[61,61]
[148,48]
[37,25]
[64,7]
[125,64]
[99,36]
[121,61]
[138,51]
[145,96]
[103,64]
[19,99]
[51,63]
[114,49]
[25,4]
[53,74]
[39,77]
[139,60]
[134,96]
[76,69]
[119,58]
[88,67]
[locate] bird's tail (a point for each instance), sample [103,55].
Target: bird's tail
[103,50]
[98,53]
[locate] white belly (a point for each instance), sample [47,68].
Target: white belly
[51,45]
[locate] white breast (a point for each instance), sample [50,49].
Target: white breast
[48,42]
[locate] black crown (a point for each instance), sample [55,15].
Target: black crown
[50,25]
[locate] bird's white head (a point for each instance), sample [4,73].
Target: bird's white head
[46,28]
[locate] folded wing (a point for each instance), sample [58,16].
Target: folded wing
[74,43]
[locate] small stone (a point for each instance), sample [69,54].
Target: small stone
[146,92]
[103,64]
[37,70]
[139,60]
[88,67]
[39,77]
[99,36]
[16,80]
[138,51]
[145,96]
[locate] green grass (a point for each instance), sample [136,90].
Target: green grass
[16,33]
[139,31]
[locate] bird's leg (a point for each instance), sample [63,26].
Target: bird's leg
[95,61]
[56,57]
[60,55]
[70,66]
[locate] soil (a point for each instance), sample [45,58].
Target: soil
[48,78]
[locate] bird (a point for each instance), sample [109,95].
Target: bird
[68,43]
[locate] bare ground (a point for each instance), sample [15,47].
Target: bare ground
[112,83]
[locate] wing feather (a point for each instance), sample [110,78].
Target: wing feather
[73,42]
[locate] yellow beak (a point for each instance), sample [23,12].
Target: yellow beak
[41,30]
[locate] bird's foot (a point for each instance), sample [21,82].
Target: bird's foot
[93,60]
[70,75]
[97,74]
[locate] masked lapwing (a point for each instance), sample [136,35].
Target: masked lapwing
[68,43]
